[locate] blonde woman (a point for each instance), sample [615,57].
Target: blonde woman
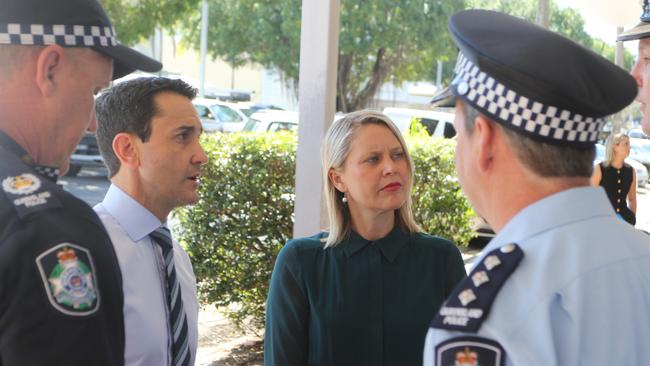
[617,177]
[364,292]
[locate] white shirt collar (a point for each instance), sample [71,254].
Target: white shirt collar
[137,221]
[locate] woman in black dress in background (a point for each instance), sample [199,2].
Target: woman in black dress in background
[617,177]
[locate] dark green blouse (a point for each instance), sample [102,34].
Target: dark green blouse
[359,303]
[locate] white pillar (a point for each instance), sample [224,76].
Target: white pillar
[319,40]
[204,46]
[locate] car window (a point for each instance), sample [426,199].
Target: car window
[203,112]
[449,131]
[429,124]
[251,125]
[226,114]
[247,111]
[281,126]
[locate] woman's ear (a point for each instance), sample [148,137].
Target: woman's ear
[337,180]
[126,149]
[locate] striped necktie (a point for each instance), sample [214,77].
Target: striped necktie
[177,319]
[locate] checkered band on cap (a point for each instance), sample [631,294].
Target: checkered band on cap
[63,35]
[520,112]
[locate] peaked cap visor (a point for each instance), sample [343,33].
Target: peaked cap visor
[641,30]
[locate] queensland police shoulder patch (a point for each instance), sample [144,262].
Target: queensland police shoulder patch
[68,274]
[469,351]
[470,302]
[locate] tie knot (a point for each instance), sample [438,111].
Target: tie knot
[162,236]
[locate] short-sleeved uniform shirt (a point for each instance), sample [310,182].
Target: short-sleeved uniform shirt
[60,284]
[579,295]
[358,303]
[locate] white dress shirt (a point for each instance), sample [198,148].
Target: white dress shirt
[148,340]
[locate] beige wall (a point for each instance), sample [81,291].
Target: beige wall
[181,60]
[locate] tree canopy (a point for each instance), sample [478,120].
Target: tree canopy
[379,40]
[566,21]
[136,20]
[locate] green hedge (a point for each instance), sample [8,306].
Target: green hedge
[245,214]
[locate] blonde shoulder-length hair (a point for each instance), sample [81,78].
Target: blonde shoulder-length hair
[334,152]
[612,140]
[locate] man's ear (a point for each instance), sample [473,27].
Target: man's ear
[49,66]
[484,130]
[126,149]
[336,180]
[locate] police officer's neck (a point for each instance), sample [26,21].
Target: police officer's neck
[510,196]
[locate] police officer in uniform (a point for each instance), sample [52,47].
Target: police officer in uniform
[641,71]
[60,286]
[564,282]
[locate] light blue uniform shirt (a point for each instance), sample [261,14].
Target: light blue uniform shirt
[581,293]
[148,339]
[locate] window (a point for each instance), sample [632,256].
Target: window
[203,112]
[281,126]
[251,125]
[226,114]
[449,131]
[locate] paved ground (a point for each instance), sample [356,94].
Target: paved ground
[219,342]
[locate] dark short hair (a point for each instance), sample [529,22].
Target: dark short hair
[129,107]
[545,159]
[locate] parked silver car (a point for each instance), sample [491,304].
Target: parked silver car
[219,116]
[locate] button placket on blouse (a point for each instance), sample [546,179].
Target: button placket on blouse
[375,311]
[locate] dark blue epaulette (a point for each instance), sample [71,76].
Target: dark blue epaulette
[470,302]
[26,191]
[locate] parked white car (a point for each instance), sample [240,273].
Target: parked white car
[219,116]
[272,121]
[438,123]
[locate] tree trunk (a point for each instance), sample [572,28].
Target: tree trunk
[343,75]
[543,13]
[354,100]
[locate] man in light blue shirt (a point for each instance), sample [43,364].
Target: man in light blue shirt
[148,134]
[564,282]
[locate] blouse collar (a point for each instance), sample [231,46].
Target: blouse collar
[389,246]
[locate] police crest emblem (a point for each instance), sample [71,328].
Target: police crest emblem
[68,274]
[469,351]
[21,184]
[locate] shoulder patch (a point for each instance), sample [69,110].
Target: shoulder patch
[469,351]
[470,302]
[28,194]
[69,278]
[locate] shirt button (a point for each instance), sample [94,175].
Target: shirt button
[619,191]
[618,171]
[618,210]
[618,200]
[619,181]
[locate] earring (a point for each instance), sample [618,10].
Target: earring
[344,199]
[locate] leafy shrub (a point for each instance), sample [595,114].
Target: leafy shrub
[243,218]
[438,203]
[245,214]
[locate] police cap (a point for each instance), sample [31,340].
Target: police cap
[532,80]
[69,23]
[641,30]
